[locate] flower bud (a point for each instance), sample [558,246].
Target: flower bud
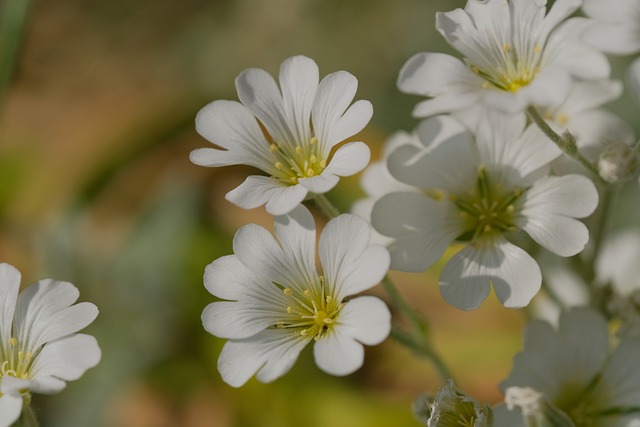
[618,163]
[451,408]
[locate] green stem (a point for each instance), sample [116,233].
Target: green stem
[28,417]
[566,142]
[325,206]
[12,20]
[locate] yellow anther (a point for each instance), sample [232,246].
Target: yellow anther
[328,320]
[294,179]
[273,148]
[475,69]
[510,209]
[13,341]
[298,150]
[328,299]
[304,332]
[289,309]
[562,119]
[307,292]
[323,164]
[485,84]
[287,291]
[310,172]
[313,140]
[20,355]
[279,165]
[506,47]
[24,376]
[435,194]
[537,48]
[313,159]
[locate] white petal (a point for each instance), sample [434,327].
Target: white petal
[236,320]
[259,92]
[259,190]
[9,287]
[432,74]
[349,159]
[66,359]
[445,103]
[549,208]
[621,378]
[296,233]
[231,126]
[364,272]
[257,249]
[617,261]
[367,319]
[338,354]
[228,278]
[10,409]
[240,360]
[298,82]
[342,243]
[515,276]
[615,38]
[332,121]
[422,227]
[320,184]
[43,313]
[613,11]
[444,141]
[633,79]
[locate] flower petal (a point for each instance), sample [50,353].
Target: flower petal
[320,184]
[422,227]
[236,320]
[621,377]
[549,208]
[259,190]
[9,287]
[296,233]
[515,276]
[271,352]
[229,279]
[349,159]
[338,354]
[66,359]
[231,126]
[10,409]
[367,319]
[298,82]
[432,74]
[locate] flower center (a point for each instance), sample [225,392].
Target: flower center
[488,209]
[293,162]
[310,313]
[14,361]
[510,72]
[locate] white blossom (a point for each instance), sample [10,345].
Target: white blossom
[574,369]
[616,25]
[39,347]
[478,192]
[305,120]
[515,54]
[277,302]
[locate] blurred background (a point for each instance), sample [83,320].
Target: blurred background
[96,188]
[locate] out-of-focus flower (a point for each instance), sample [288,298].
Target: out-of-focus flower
[279,303]
[618,163]
[450,408]
[616,25]
[39,347]
[303,121]
[574,370]
[478,191]
[515,54]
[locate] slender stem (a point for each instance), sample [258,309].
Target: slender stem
[326,206]
[12,20]
[566,141]
[599,231]
[28,417]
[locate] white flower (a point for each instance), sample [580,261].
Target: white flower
[515,54]
[39,347]
[479,192]
[279,303]
[616,26]
[575,371]
[304,121]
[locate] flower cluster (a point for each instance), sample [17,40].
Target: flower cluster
[513,151]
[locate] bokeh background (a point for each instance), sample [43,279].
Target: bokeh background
[96,188]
